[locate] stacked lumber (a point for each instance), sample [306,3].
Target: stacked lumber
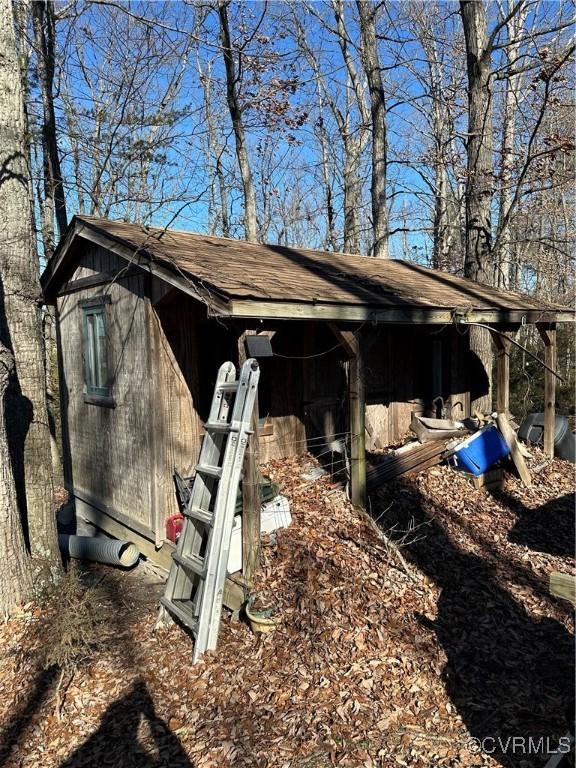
[411,458]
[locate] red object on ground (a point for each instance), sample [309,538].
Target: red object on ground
[174,527]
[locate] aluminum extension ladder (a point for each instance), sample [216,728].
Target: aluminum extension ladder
[195,584]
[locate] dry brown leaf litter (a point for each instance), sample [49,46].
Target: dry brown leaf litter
[374,664]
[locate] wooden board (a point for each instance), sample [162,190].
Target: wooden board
[250,485]
[282,378]
[503,345]
[509,435]
[351,344]
[493,478]
[563,585]
[108,450]
[176,425]
[400,379]
[413,458]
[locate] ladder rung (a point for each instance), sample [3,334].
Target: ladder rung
[200,514]
[206,469]
[176,608]
[215,426]
[195,585]
[192,563]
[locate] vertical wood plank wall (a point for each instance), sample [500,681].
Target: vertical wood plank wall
[109,448]
[175,386]
[400,378]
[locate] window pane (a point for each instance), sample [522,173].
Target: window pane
[100,351]
[95,351]
[89,352]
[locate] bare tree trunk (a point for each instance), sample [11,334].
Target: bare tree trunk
[72,136]
[505,255]
[354,141]
[352,190]
[250,220]
[54,199]
[215,152]
[479,186]
[324,140]
[443,227]
[27,426]
[371,65]
[326,176]
[15,570]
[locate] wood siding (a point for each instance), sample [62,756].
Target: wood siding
[109,450]
[175,417]
[406,368]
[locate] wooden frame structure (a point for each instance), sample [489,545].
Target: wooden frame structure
[165,301]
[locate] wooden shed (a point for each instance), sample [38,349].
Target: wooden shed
[146,316]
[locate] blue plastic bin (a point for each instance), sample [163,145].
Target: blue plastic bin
[481,450]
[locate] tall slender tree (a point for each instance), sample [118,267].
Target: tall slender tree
[54,202]
[354,137]
[234,106]
[371,63]
[512,99]
[27,416]
[479,181]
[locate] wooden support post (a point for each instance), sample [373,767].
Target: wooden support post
[250,489]
[357,429]
[357,406]
[548,333]
[503,345]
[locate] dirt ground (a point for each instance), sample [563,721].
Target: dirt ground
[416,653]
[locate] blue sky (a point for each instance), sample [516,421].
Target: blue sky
[102,46]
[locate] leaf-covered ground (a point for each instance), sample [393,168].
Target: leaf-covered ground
[380,659]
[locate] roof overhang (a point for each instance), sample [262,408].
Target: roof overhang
[220,305]
[354,313]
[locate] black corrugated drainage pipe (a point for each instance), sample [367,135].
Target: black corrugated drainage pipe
[99,549]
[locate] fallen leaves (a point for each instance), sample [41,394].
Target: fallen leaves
[370,666]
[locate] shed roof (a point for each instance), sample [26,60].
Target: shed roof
[247,279]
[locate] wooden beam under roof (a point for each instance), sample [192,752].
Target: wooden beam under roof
[354,313]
